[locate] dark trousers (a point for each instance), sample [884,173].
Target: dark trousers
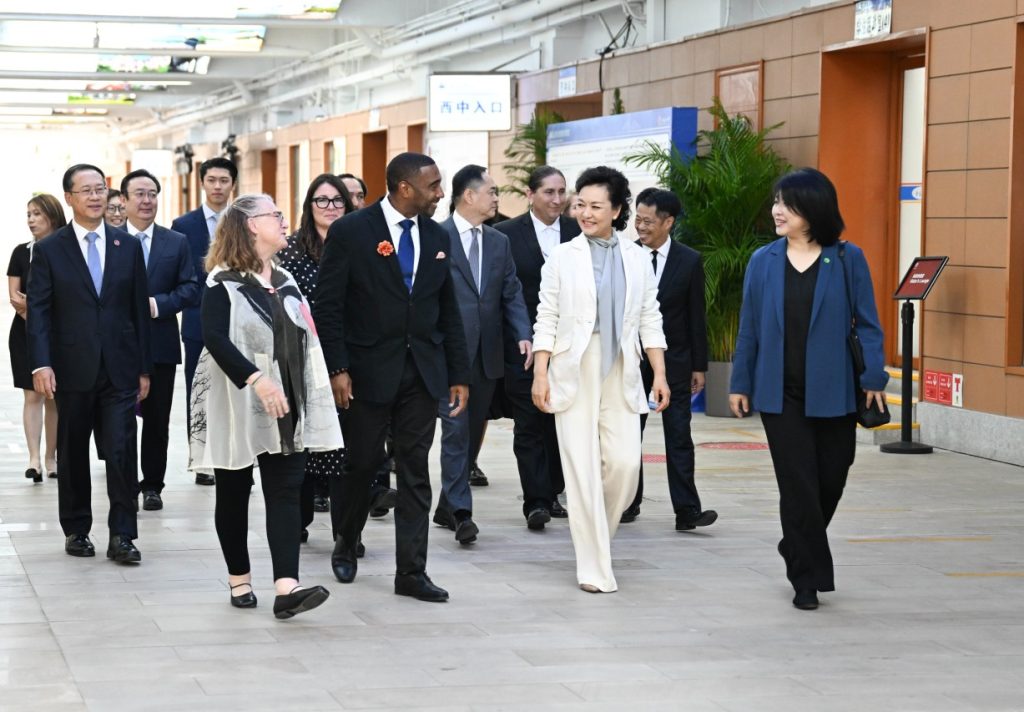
[679,460]
[114,411]
[812,457]
[534,442]
[156,418]
[461,437]
[281,479]
[193,348]
[412,416]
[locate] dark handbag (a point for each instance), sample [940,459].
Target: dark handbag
[868,416]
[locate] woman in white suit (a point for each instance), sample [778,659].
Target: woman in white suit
[598,302]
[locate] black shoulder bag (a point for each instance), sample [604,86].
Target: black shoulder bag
[868,415]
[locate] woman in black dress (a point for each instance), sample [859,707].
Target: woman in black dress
[45,215]
[327,199]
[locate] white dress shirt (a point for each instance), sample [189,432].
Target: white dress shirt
[662,256]
[83,244]
[548,236]
[392,217]
[146,238]
[465,229]
[212,218]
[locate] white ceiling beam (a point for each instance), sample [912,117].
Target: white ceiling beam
[336,23]
[265,53]
[156,77]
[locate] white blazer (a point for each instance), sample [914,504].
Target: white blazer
[568,310]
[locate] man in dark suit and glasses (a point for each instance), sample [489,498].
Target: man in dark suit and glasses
[392,338]
[218,177]
[680,275]
[172,288]
[89,347]
[531,238]
[491,302]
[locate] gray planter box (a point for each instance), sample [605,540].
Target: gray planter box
[716,389]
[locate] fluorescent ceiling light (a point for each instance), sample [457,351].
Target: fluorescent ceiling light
[9,111]
[123,35]
[324,9]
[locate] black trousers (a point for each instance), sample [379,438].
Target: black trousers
[156,418]
[281,479]
[679,452]
[113,411]
[534,442]
[412,416]
[812,457]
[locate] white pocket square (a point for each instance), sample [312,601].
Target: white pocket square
[440,256]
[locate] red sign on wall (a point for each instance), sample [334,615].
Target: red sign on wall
[944,388]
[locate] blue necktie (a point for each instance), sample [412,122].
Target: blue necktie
[406,252]
[145,247]
[95,269]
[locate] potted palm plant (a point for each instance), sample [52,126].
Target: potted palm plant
[528,149]
[726,192]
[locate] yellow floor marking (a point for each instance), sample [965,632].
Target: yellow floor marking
[916,539]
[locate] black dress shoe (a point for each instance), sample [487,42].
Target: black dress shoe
[443,518]
[630,515]
[151,501]
[477,478]
[557,510]
[360,549]
[419,586]
[806,599]
[695,518]
[343,562]
[537,518]
[122,550]
[52,475]
[243,600]
[299,600]
[34,475]
[466,531]
[321,503]
[382,501]
[204,479]
[79,545]
[304,536]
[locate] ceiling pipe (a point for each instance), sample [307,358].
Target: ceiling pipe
[331,24]
[265,53]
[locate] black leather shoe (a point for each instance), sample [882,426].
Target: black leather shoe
[382,501]
[204,479]
[151,501]
[443,518]
[537,518]
[299,600]
[557,511]
[806,599]
[360,549]
[630,515]
[52,475]
[79,545]
[303,536]
[477,478]
[321,503]
[243,600]
[34,475]
[343,562]
[420,587]
[466,531]
[693,519]
[122,550]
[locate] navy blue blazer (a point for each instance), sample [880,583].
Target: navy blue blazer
[173,285]
[498,307]
[73,330]
[193,226]
[758,362]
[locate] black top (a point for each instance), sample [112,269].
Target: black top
[301,265]
[799,300]
[18,266]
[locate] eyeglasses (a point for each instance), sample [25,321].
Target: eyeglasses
[322,201]
[117,209]
[277,214]
[144,194]
[90,192]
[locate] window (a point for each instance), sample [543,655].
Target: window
[739,89]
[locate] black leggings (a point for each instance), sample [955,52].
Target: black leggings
[281,478]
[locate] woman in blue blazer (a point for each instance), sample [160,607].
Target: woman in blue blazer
[792,363]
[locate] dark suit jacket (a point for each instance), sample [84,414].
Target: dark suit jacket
[71,329]
[193,226]
[498,304]
[367,319]
[172,283]
[681,297]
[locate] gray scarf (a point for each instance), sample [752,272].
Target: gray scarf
[610,280]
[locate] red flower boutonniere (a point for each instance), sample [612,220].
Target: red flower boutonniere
[385,248]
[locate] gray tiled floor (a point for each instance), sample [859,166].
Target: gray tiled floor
[928,614]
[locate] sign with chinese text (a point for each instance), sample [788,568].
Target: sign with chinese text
[872,18]
[567,82]
[920,278]
[470,102]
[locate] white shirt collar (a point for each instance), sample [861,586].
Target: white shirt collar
[663,250]
[391,214]
[81,232]
[540,227]
[463,225]
[148,232]
[208,213]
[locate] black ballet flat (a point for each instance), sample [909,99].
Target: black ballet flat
[33,474]
[244,600]
[299,600]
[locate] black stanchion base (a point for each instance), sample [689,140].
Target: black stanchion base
[904,448]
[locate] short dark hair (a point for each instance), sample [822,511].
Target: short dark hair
[69,174]
[405,167]
[617,186]
[308,237]
[466,178]
[665,202]
[114,193]
[343,176]
[539,174]
[139,173]
[219,162]
[810,194]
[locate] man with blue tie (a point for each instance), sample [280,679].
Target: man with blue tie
[218,176]
[89,347]
[172,288]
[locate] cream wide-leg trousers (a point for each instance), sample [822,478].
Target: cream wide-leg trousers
[599,443]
